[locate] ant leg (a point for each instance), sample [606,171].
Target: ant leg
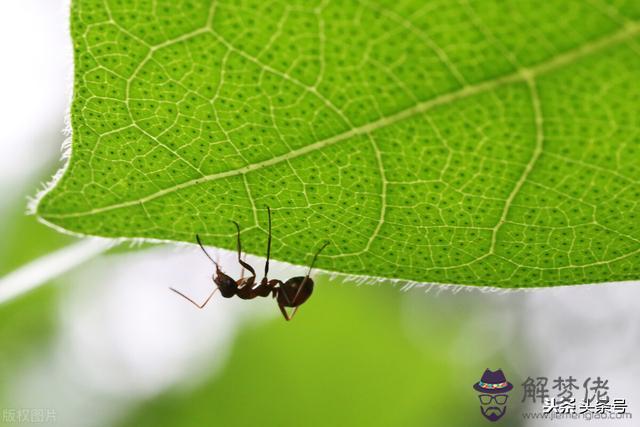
[200,306]
[293,313]
[242,263]
[316,257]
[276,295]
[295,297]
[217,258]
[308,273]
[215,262]
[266,266]
[242,273]
[206,253]
[284,312]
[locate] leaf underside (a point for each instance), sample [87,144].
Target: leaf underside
[471,142]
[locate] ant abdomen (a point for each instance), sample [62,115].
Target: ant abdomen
[295,291]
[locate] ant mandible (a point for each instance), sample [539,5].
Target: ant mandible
[292,293]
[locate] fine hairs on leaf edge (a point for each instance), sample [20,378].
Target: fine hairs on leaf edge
[67,130]
[429,287]
[45,187]
[346,278]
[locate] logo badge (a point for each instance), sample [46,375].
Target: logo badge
[492,391]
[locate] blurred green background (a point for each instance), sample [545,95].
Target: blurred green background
[344,361]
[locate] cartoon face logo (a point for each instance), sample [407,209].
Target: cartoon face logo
[493,388]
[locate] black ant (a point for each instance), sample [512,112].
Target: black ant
[292,293]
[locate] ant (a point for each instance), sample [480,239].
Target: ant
[292,293]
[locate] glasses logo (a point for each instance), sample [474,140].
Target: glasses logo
[493,388]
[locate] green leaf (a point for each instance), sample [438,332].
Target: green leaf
[479,143]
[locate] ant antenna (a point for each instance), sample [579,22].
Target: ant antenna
[316,256]
[200,306]
[206,253]
[242,263]
[266,266]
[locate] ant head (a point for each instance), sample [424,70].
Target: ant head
[295,291]
[225,283]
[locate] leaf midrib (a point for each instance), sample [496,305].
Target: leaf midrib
[631,29]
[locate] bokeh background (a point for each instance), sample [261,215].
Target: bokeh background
[107,344]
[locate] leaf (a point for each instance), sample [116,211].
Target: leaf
[478,143]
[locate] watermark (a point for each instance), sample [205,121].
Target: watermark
[587,416]
[28,415]
[493,388]
[560,398]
